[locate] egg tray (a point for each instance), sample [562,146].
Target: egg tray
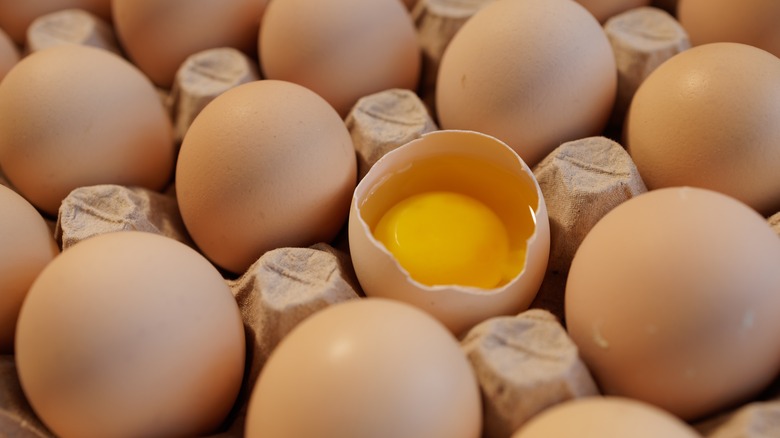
[606,177]
[533,340]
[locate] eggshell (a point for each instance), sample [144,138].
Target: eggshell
[16,16]
[605,417]
[533,73]
[9,54]
[266,164]
[459,308]
[341,49]
[754,22]
[604,9]
[130,334]
[366,368]
[73,116]
[706,118]
[672,299]
[159,35]
[26,247]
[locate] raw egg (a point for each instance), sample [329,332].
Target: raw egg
[454,223]
[9,54]
[672,299]
[366,368]
[159,35]
[16,16]
[74,116]
[604,9]
[341,49]
[533,73]
[26,247]
[130,334]
[753,22]
[707,117]
[266,164]
[605,417]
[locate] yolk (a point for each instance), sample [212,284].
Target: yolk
[446,238]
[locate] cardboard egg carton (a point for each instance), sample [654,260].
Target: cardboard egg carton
[534,364]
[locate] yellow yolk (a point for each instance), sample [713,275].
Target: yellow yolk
[446,238]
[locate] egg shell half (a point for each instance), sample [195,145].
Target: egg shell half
[459,308]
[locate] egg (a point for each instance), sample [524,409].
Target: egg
[466,230]
[672,299]
[753,22]
[706,118]
[26,247]
[16,16]
[341,49]
[605,417]
[159,35]
[9,54]
[266,164]
[533,73]
[605,9]
[366,368]
[74,116]
[130,334]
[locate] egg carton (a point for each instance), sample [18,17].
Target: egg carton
[533,365]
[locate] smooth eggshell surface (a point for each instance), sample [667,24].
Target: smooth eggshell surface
[366,368]
[754,22]
[159,35]
[672,299]
[16,15]
[458,307]
[605,417]
[707,118]
[130,334]
[265,165]
[533,73]
[74,116]
[341,49]
[26,247]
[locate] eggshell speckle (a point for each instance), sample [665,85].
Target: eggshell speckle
[366,368]
[130,334]
[458,307]
[533,73]
[707,118]
[267,164]
[672,299]
[26,247]
[73,116]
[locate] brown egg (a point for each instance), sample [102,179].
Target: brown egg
[366,368]
[604,9]
[341,49]
[605,417]
[672,299]
[74,116]
[26,247]
[533,73]
[159,35]
[754,22]
[265,165]
[708,118]
[16,16]
[9,54]
[130,334]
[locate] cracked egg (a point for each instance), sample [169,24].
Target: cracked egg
[453,223]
